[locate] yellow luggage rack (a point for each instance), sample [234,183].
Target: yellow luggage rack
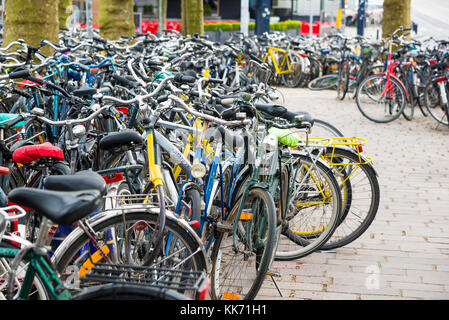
[355,143]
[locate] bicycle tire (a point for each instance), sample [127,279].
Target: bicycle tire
[297,243]
[328,81]
[128,292]
[330,129]
[434,106]
[179,241]
[254,264]
[359,216]
[409,108]
[343,80]
[294,78]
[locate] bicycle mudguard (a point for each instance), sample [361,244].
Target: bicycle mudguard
[399,81]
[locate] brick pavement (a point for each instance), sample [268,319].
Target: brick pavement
[405,252]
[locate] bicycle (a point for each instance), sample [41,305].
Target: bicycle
[382,97]
[63,207]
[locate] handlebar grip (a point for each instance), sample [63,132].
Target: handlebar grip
[35,80]
[123,80]
[227,101]
[22,74]
[184,79]
[252,56]
[162,99]
[215,80]
[155,63]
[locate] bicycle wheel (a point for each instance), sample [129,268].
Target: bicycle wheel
[380,101]
[242,254]
[126,239]
[128,292]
[360,194]
[325,129]
[343,80]
[322,83]
[296,76]
[313,209]
[435,104]
[409,108]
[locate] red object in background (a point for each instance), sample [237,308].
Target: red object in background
[305,28]
[316,28]
[153,26]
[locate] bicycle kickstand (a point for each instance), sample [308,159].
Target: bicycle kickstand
[273,274]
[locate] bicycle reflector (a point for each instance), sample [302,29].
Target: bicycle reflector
[115,178]
[203,293]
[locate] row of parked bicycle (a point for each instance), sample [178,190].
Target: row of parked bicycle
[386,78]
[163,168]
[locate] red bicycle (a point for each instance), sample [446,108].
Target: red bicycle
[382,96]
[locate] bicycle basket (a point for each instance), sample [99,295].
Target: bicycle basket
[192,284]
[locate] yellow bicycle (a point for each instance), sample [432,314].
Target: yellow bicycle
[286,66]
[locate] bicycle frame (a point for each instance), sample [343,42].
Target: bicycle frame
[38,264]
[285,60]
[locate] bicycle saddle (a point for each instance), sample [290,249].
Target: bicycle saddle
[279,111]
[61,207]
[30,153]
[116,139]
[82,180]
[84,92]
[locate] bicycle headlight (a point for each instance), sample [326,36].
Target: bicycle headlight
[79,131]
[198,169]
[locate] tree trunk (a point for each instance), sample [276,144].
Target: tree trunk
[116,18]
[192,17]
[183,17]
[32,21]
[162,15]
[65,11]
[396,13]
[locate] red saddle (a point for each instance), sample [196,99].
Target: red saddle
[27,154]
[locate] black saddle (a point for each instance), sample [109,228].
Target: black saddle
[63,208]
[117,139]
[279,111]
[82,180]
[84,92]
